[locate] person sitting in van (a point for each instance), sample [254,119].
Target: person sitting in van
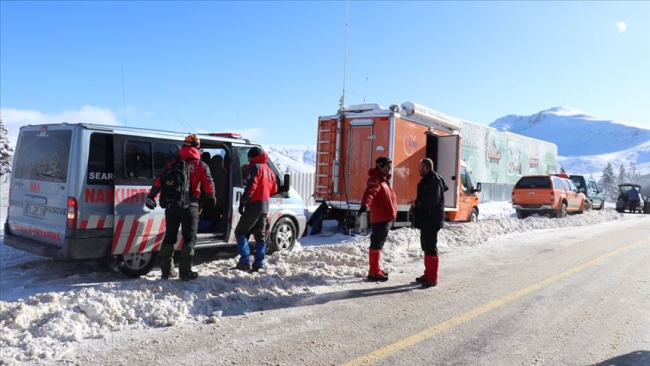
[253,208]
[633,199]
[182,214]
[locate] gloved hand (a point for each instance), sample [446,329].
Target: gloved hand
[362,209]
[210,202]
[150,203]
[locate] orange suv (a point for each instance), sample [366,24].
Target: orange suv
[546,195]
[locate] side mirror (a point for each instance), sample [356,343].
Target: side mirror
[478,187]
[287,183]
[581,190]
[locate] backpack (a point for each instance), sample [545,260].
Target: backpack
[175,185]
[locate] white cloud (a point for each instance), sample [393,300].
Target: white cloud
[13,118]
[621,26]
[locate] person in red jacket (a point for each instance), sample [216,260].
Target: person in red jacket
[380,198]
[253,208]
[186,217]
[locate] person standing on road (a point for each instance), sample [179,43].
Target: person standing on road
[185,215]
[429,216]
[253,208]
[380,198]
[633,199]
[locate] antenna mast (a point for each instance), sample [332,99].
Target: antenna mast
[345,53]
[123,98]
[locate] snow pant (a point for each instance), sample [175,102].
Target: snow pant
[429,239]
[188,219]
[255,223]
[379,234]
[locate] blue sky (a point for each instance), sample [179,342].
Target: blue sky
[269,69]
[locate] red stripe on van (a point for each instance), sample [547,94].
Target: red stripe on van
[100,224]
[159,237]
[116,234]
[131,239]
[83,225]
[145,236]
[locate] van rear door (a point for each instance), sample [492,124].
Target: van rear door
[40,185]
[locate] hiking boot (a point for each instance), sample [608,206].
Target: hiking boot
[244,267]
[421,279]
[256,269]
[381,276]
[426,284]
[189,276]
[167,275]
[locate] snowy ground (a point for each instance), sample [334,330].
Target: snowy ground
[45,304]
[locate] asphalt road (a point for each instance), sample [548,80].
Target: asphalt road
[576,296]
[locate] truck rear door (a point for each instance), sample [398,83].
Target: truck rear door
[359,157]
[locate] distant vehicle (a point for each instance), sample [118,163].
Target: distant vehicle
[623,203]
[588,186]
[78,192]
[646,205]
[546,195]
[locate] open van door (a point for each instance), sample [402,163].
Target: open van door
[448,167]
[137,231]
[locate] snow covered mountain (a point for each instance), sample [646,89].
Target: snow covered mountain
[295,158]
[585,143]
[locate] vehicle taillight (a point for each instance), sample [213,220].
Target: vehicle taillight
[71,222]
[512,196]
[552,196]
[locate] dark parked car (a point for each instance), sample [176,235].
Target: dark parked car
[623,201]
[588,186]
[646,205]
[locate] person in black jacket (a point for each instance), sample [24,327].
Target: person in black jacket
[429,216]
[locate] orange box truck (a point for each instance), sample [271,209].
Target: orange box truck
[350,141]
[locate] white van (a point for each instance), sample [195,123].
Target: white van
[77,191]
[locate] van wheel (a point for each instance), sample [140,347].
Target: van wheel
[473,217]
[561,212]
[283,236]
[136,264]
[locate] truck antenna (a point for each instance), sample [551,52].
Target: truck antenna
[123,98]
[345,53]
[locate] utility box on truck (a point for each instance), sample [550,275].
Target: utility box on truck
[349,143]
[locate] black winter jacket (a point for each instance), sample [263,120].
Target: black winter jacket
[429,206]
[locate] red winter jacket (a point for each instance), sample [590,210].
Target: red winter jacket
[260,184]
[379,197]
[200,177]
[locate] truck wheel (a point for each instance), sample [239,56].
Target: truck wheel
[561,212]
[521,214]
[283,236]
[588,205]
[473,216]
[136,264]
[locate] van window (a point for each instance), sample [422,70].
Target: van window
[43,155]
[100,159]
[137,160]
[162,154]
[465,179]
[242,153]
[534,182]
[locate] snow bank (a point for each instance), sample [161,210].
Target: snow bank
[53,304]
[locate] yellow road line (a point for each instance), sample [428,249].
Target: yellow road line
[430,332]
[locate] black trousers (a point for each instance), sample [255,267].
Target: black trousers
[252,222]
[429,239]
[187,218]
[379,233]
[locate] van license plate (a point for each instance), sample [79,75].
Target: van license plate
[35,209]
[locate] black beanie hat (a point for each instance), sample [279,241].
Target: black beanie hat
[254,152]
